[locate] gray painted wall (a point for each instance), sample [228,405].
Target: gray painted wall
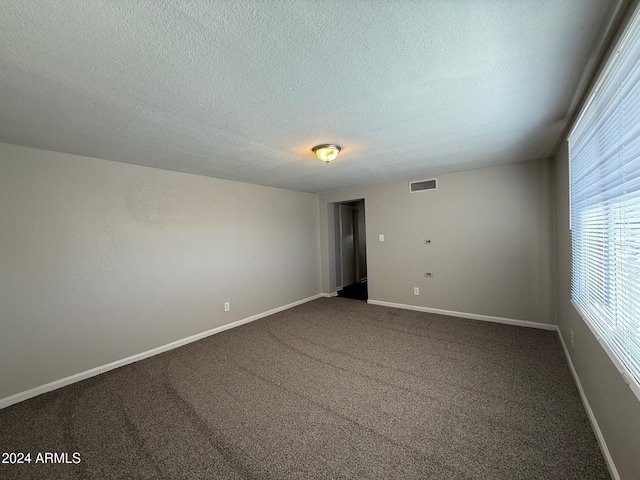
[102,260]
[492,242]
[614,405]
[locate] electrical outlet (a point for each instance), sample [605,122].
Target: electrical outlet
[428,274]
[427,242]
[381,237]
[416,290]
[571,335]
[227,306]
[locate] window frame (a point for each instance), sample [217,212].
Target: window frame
[629,38]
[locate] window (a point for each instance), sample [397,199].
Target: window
[604,175]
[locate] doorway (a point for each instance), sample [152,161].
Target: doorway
[350,249]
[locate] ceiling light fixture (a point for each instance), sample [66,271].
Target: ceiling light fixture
[327,151]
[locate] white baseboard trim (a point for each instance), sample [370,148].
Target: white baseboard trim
[19,397]
[329,295]
[472,316]
[594,423]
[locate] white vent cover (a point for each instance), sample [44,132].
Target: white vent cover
[422,185]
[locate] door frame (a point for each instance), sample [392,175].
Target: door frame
[336,280]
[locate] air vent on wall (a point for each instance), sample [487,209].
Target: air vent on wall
[422,185]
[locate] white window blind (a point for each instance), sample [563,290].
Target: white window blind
[604,174]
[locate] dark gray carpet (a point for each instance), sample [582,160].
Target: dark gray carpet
[333,389]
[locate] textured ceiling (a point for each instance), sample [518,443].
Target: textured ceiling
[243,89]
